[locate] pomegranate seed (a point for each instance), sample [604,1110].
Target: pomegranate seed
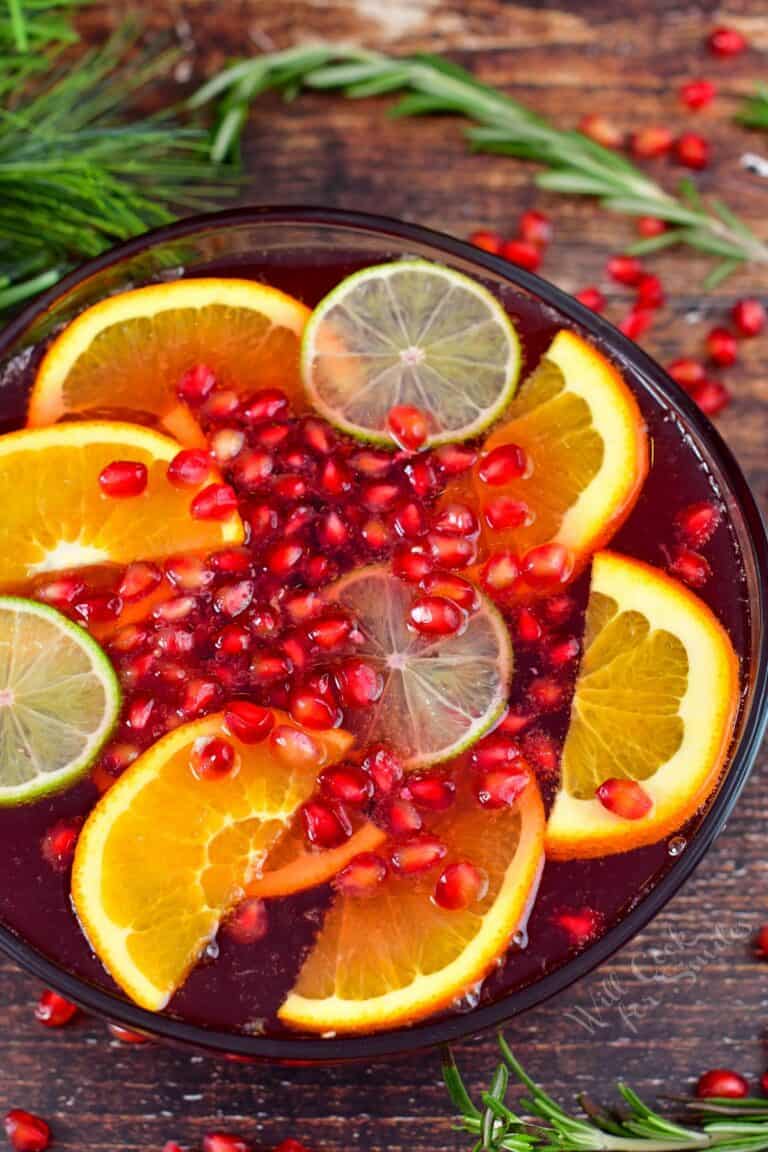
[291,1146]
[487,240]
[725,41]
[592,298]
[221,405]
[223,1142]
[348,784]
[266,404]
[264,623]
[749,317]
[696,94]
[547,565]
[318,436]
[651,226]
[100,608]
[434,793]
[625,798]
[636,323]
[215,502]
[304,605]
[494,751]
[294,650]
[330,632]
[174,610]
[686,372]
[408,426]
[535,228]
[541,749]
[281,559]
[117,757]
[172,1146]
[711,396]
[139,579]
[455,458]
[546,694]
[271,436]
[188,572]
[422,478]
[266,668]
[522,253]
[332,531]
[558,609]
[651,142]
[196,384]
[252,470]
[761,942]
[379,497]
[602,130]
[230,561]
[502,465]
[320,570]
[450,587]
[174,642]
[26,1132]
[403,817]
[362,876]
[189,468]
[248,922]
[625,270]
[697,522]
[436,616]
[450,551]
[764,1083]
[410,520]
[563,653]
[375,534]
[384,768]
[501,787]
[335,478]
[60,592]
[418,854]
[324,827]
[137,669]
[263,520]
[123,478]
[513,723]
[690,567]
[212,758]
[233,599]
[529,630]
[227,443]
[500,572]
[53,1010]
[411,565]
[312,711]
[127,1035]
[692,150]
[359,684]
[460,886]
[721,347]
[295,748]
[456,519]
[290,488]
[721,1082]
[650,293]
[581,925]
[249,723]
[140,712]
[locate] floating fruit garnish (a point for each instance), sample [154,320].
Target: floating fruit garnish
[170,848]
[56,515]
[59,700]
[640,758]
[155,354]
[427,932]
[402,343]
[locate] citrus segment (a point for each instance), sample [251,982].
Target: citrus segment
[125,356]
[164,855]
[584,450]
[439,693]
[291,868]
[59,700]
[655,702]
[56,516]
[410,334]
[396,956]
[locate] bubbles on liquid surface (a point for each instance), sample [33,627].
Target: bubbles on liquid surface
[212,950]
[677,845]
[469,999]
[520,939]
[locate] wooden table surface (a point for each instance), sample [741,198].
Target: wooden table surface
[686,994]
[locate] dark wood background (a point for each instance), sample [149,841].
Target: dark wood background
[686,994]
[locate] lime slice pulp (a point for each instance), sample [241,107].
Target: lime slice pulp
[441,694]
[59,700]
[410,333]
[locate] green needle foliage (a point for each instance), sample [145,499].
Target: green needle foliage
[722,1125]
[571,162]
[78,173]
[755,111]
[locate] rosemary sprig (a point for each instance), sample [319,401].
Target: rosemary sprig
[540,1123]
[754,113]
[572,162]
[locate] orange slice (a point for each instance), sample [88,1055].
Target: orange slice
[164,855]
[56,517]
[586,448]
[125,356]
[395,956]
[655,702]
[291,868]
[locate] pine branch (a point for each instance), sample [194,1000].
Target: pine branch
[754,113]
[723,1125]
[572,163]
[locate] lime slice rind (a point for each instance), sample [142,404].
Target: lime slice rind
[440,695]
[59,700]
[415,333]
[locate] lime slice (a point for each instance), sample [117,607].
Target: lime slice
[59,699]
[410,333]
[440,694]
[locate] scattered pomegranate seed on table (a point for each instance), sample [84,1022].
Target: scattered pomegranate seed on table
[648,143]
[692,150]
[721,347]
[26,1132]
[636,323]
[223,1142]
[123,479]
[602,130]
[697,94]
[625,798]
[535,228]
[764,1083]
[749,317]
[53,1010]
[726,41]
[592,298]
[687,372]
[522,253]
[127,1035]
[625,270]
[761,942]
[721,1082]
[650,293]
[487,240]
[712,396]
[651,226]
